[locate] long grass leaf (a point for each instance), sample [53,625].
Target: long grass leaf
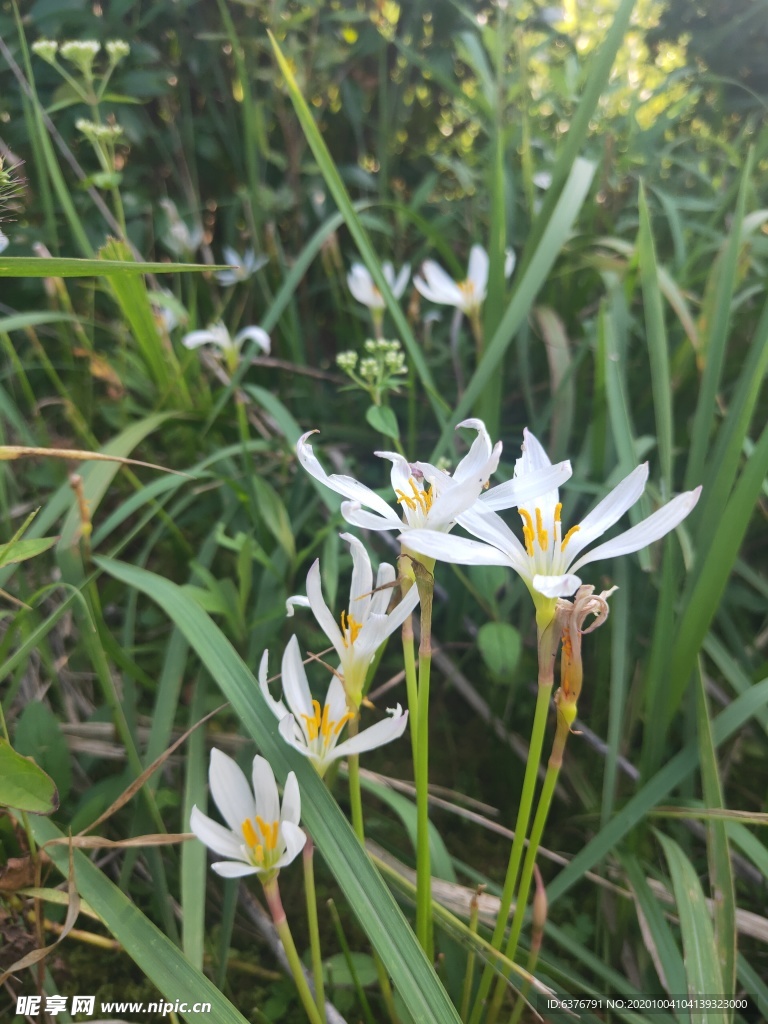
[369,898]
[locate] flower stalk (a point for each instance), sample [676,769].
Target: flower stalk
[275,904]
[314,926]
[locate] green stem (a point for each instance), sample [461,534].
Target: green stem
[314,926]
[411,684]
[425,581]
[272,894]
[469,976]
[548,640]
[355,796]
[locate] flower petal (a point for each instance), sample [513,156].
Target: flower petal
[477,271]
[214,836]
[385,576]
[295,685]
[448,548]
[295,840]
[278,709]
[197,338]
[228,869]
[556,586]
[256,334]
[482,459]
[609,510]
[362,578]
[230,790]
[655,526]
[355,515]
[390,728]
[344,485]
[527,487]
[438,286]
[291,812]
[401,280]
[320,609]
[297,601]
[265,790]
[491,528]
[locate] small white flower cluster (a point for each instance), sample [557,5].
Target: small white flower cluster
[98,132]
[80,52]
[378,370]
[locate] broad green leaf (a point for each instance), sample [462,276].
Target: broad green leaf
[21,550]
[24,786]
[363,887]
[500,647]
[702,966]
[383,420]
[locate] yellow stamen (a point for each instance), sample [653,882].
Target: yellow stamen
[350,629]
[269,831]
[558,510]
[249,833]
[567,537]
[419,498]
[527,530]
[541,533]
[342,722]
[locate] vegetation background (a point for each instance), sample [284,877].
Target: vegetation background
[620,150]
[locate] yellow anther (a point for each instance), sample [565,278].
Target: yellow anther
[403,499]
[558,510]
[342,722]
[567,537]
[527,530]
[269,831]
[249,834]
[350,628]
[541,533]
[418,498]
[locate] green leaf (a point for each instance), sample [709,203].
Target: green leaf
[500,647]
[160,960]
[383,421]
[38,735]
[34,266]
[702,966]
[23,784]
[336,972]
[21,550]
[276,518]
[361,884]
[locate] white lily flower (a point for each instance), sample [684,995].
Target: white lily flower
[430,498]
[261,837]
[365,625]
[365,291]
[313,730]
[549,558]
[467,295]
[218,335]
[242,267]
[4,241]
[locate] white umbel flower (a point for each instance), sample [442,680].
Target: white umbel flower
[314,730]
[262,836]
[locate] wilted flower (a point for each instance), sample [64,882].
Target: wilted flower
[242,268]
[262,837]
[549,557]
[314,730]
[365,624]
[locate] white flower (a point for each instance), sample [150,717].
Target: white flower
[364,290]
[261,837]
[430,498]
[548,559]
[365,625]
[218,335]
[313,730]
[4,241]
[180,239]
[467,295]
[242,268]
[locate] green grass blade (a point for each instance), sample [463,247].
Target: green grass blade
[655,790]
[702,966]
[720,867]
[363,887]
[704,596]
[50,266]
[656,338]
[727,270]
[530,282]
[358,232]
[161,961]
